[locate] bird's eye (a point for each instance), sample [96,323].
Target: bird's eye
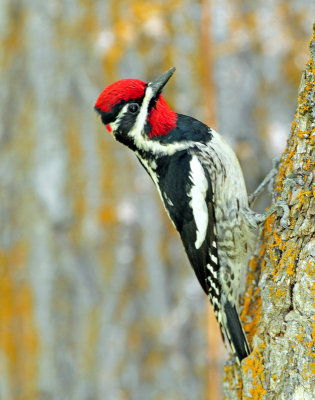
[133,108]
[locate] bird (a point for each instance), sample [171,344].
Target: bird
[201,185]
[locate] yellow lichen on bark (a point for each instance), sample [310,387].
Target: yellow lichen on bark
[255,364]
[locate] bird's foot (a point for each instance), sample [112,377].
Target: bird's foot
[281,206]
[268,181]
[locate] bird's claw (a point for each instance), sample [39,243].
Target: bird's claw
[268,181]
[281,207]
[285,218]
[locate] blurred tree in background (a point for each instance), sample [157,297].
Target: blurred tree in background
[97,300]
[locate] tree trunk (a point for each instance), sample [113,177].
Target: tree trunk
[278,312]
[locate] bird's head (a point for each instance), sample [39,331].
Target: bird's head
[135,112]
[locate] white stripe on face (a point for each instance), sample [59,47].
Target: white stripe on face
[137,131]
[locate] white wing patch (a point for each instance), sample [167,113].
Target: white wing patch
[214,258]
[198,204]
[168,200]
[213,272]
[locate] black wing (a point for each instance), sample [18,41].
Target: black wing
[175,187]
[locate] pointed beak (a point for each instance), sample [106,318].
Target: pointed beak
[158,83]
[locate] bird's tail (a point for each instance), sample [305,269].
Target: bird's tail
[232,329]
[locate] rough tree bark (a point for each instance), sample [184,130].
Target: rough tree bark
[278,311]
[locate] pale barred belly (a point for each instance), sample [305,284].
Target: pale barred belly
[233,234]
[234,241]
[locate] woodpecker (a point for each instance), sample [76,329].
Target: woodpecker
[201,185]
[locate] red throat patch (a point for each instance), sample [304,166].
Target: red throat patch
[161,118]
[123,90]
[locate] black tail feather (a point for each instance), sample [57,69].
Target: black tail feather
[235,333]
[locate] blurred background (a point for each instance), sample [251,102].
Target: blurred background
[97,300]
